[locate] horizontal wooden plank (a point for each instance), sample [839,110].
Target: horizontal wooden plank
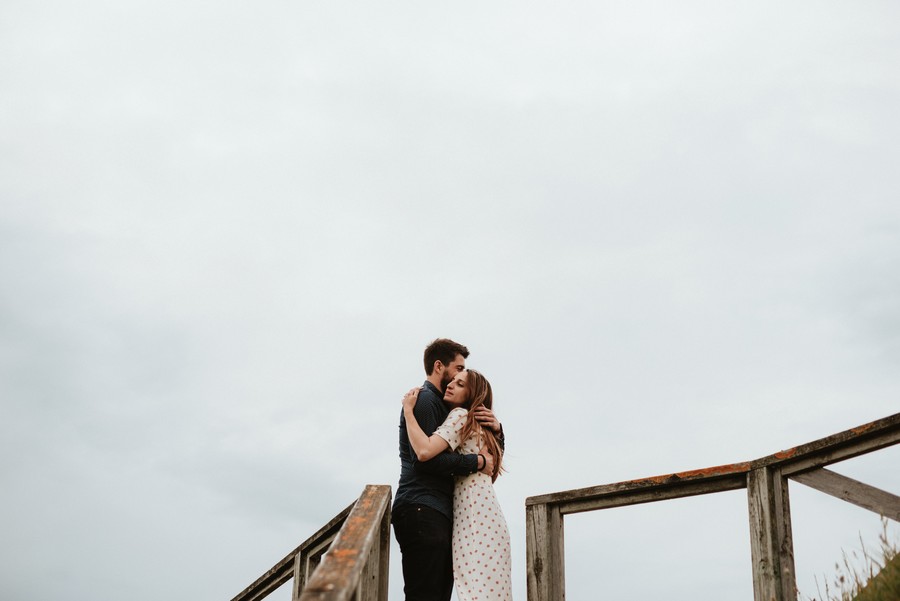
[838,447]
[726,476]
[852,491]
[652,495]
[805,460]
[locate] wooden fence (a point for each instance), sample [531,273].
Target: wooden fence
[766,481]
[346,560]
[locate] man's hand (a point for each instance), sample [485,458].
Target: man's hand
[487,419]
[488,467]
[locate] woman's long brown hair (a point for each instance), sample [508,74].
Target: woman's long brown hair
[479,394]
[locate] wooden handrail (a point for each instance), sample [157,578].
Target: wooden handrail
[825,451]
[355,567]
[347,559]
[766,481]
[370,515]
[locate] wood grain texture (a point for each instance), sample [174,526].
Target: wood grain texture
[831,449]
[771,546]
[346,571]
[545,550]
[852,491]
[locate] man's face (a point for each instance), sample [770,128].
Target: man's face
[457,365]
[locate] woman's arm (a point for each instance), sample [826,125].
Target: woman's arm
[424,446]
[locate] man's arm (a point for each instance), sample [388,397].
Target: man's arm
[448,463]
[487,419]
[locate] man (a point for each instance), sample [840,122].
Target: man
[422,513]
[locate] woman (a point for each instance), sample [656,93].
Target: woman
[481,553]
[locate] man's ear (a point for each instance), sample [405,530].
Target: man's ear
[438,367]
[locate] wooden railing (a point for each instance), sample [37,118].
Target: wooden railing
[766,481]
[346,560]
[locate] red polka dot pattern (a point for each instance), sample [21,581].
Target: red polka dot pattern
[481,546]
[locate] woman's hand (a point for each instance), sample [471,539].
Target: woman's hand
[425,447]
[409,401]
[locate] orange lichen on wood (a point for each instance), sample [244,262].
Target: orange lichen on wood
[864,428]
[718,470]
[786,454]
[343,554]
[340,570]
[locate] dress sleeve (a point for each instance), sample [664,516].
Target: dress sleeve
[452,426]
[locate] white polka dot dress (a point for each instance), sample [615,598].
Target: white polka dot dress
[481,551]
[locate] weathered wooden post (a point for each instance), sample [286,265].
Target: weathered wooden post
[545,552]
[771,545]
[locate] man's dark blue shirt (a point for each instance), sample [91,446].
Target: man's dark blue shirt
[429,483]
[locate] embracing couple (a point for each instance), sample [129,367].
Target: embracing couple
[446,517]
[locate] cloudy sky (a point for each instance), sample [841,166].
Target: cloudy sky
[668,231]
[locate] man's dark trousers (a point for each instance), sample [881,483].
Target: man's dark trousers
[424,535]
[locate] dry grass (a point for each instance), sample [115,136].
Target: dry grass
[863,576]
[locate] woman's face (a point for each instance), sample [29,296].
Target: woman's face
[457,393]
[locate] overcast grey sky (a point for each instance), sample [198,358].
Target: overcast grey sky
[668,231]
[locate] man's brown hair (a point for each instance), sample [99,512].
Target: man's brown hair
[443,350]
